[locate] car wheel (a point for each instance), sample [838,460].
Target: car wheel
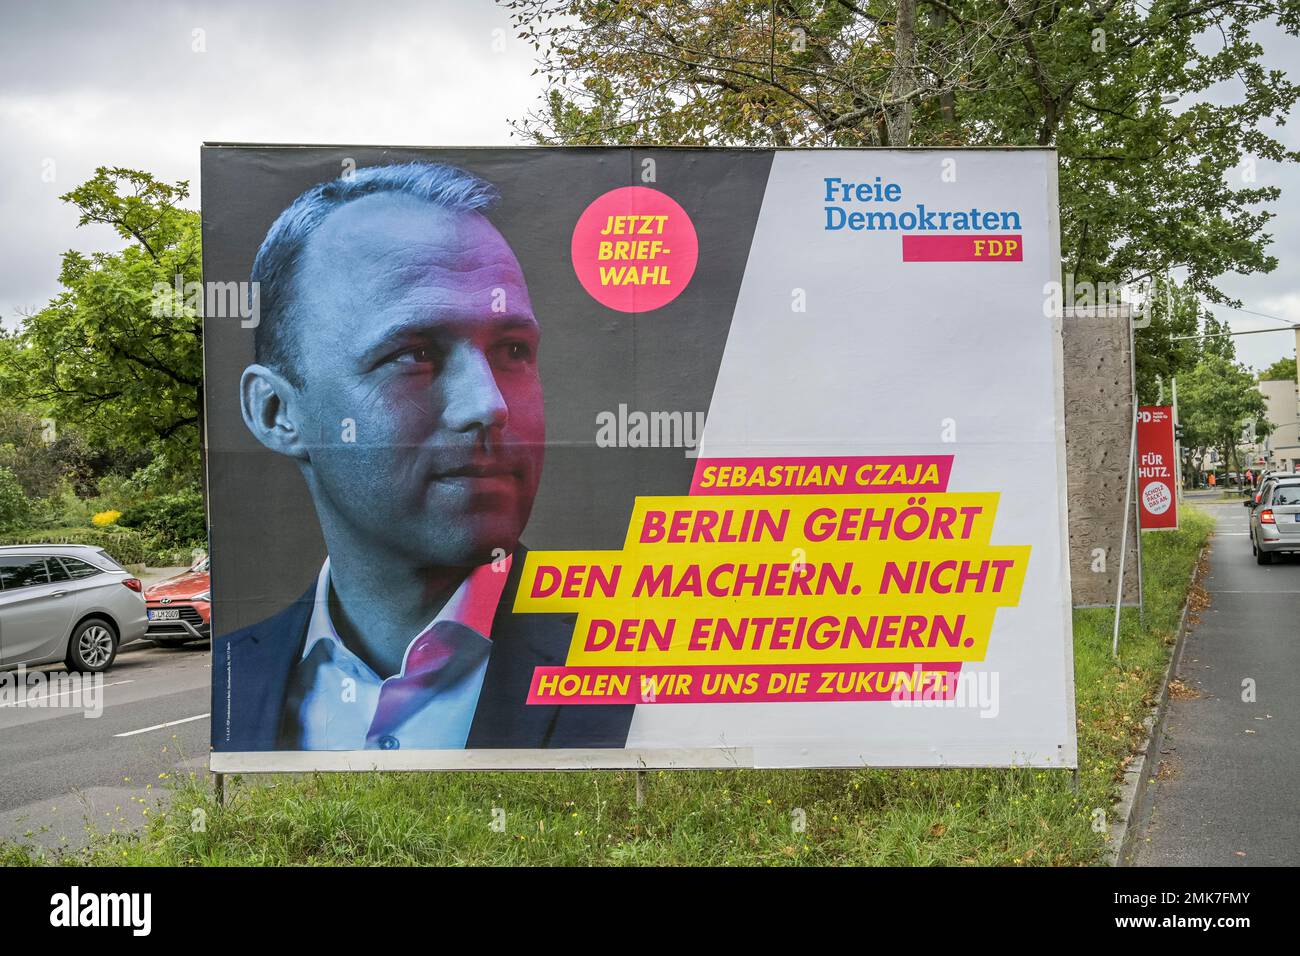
[93,646]
[1263,557]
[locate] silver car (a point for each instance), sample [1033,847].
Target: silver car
[64,602]
[1275,521]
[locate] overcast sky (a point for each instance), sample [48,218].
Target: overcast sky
[121,83]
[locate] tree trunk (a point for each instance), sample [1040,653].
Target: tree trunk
[902,77]
[947,98]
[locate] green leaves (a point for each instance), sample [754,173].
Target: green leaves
[97,355]
[1166,347]
[1281,370]
[136,205]
[1146,186]
[1215,400]
[15,509]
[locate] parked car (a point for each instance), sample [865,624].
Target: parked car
[180,608]
[1275,521]
[1266,481]
[66,602]
[1255,495]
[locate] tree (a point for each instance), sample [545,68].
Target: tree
[105,353]
[1283,370]
[1217,339]
[46,458]
[1143,189]
[1215,401]
[1167,347]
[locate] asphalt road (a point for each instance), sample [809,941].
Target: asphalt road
[1228,776]
[62,772]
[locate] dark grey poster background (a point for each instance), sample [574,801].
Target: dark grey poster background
[265,543]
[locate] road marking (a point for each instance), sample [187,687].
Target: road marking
[1221,591]
[30,700]
[170,723]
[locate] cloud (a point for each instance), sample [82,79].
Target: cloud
[143,85]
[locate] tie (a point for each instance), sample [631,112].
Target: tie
[435,661]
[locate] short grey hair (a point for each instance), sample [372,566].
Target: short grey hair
[276,267]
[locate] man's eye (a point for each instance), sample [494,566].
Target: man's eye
[519,351]
[420,356]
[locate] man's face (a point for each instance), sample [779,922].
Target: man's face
[414,323]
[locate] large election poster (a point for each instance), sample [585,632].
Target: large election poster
[654,457]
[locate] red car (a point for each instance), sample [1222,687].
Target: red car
[180,608]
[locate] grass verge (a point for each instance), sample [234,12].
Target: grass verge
[860,817]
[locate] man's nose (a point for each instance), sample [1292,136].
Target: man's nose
[471,397]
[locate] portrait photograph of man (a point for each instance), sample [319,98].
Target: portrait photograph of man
[397,367]
[412,401]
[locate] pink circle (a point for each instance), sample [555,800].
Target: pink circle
[634,249]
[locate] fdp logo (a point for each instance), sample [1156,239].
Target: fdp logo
[984,248]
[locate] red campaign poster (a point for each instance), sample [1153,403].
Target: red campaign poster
[1157,468]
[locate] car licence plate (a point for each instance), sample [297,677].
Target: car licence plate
[164,614]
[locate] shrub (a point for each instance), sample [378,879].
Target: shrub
[156,478]
[177,520]
[15,509]
[61,509]
[124,547]
[105,518]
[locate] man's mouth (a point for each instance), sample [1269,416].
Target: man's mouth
[481,470]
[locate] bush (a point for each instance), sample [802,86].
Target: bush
[15,509]
[155,479]
[61,509]
[176,520]
[124,547]
[105,518]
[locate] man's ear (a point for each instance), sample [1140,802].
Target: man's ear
[272,410]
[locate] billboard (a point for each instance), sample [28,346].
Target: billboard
[1157,468]
[610,457]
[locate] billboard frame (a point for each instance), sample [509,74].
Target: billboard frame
[482,759]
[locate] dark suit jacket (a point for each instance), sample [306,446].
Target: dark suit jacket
[251,670]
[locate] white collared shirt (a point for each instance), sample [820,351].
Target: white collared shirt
[336,696]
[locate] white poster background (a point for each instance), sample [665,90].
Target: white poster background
[887,355]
